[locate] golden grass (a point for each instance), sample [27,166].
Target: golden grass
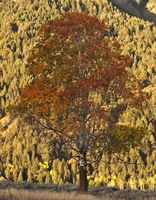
[34,191]
[22,194]
[15,194]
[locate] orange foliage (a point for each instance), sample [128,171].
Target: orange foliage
[73,61]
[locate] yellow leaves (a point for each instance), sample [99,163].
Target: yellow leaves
[72,161]
[2,178]
[11,167]
[44,165]
[150,88]
[52,172]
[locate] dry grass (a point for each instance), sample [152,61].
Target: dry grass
[32,191]
[14,194]
[22,194]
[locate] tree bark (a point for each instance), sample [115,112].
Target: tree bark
[83,174]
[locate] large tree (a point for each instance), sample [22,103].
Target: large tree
[80,87]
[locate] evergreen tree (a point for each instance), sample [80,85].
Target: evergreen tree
[20,177]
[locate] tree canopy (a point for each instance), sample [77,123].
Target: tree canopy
[80,86]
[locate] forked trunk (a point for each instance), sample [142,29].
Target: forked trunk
[83,174]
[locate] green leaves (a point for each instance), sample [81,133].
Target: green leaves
[124,137]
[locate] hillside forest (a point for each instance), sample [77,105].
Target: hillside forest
[29,154]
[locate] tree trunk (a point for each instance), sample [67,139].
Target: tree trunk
[83,174]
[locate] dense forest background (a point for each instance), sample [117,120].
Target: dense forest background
[27,154]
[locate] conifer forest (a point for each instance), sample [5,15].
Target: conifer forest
[89,127]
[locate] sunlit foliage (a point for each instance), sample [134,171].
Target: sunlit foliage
[19,24]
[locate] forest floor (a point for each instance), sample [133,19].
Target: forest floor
[33,191]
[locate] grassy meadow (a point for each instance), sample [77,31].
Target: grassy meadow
[23,194]
[32,191]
